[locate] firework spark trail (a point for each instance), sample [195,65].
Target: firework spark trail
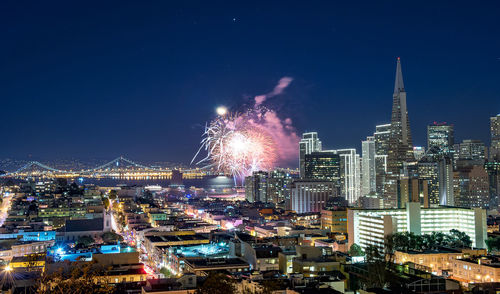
[239,143]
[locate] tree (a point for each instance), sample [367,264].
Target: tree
[493,243]
[76,278]
[85,241]
[111,237]
[459,239]
[356,250]
[376,266]
[217,283]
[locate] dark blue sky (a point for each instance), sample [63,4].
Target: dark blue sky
[99,79]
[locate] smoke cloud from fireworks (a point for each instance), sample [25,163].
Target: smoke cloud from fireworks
[257,139]
[280,87]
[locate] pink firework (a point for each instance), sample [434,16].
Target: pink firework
[236,146]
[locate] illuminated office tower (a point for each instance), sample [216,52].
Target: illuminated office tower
[256,187]
[440,138]
[428,169]
[368,169]
[495,138]
[469,152]
[381,135]
[323,165]
[471,186]
[310,195]
[278,187]
[400,149]
[493,169]
[445,181]
[350,174]
[309,143]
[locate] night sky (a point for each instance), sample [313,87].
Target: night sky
[99,79]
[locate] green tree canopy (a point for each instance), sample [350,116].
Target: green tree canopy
[217,283]
[356,250]
[85,241]
[407,241]
[111,237]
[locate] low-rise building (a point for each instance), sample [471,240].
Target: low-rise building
[438,261]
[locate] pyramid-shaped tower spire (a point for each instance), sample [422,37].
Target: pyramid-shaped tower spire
[398,84]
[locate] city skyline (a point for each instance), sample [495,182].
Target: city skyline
[250,147]
[143,98]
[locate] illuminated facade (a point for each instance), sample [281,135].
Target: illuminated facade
[440,137]
[310,195]
[495,138]
[322,166]
[368,166]
[400,142]
[381,135]
[472,187]
[371,227]
[309,143]
[350,174]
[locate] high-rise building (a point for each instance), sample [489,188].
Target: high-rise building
[324,166]
[495,138]
[256,187]
[493,170]
[469,153]
[350,174]
[400,149]
[269,187]
[445,181]
[428,169]
[309,143]
[368,166]
[381,135]
[310,195]
[278,187]
[413,190]
[440,138]
[471,187]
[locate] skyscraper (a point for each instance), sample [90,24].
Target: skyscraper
[440,137]
[428,169]
[368,170]
[309,143]
[310,195]
[323,166]
[256,187]
[445,181]
[278,187]
[350,174]
[470,152]
[381,135]
[495,138]
[400,143]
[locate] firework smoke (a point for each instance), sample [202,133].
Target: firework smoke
[239,143]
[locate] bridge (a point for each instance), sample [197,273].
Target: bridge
[119,167]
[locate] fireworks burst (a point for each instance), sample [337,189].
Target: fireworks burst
[236,145]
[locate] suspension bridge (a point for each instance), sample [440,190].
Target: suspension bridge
[119,167]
